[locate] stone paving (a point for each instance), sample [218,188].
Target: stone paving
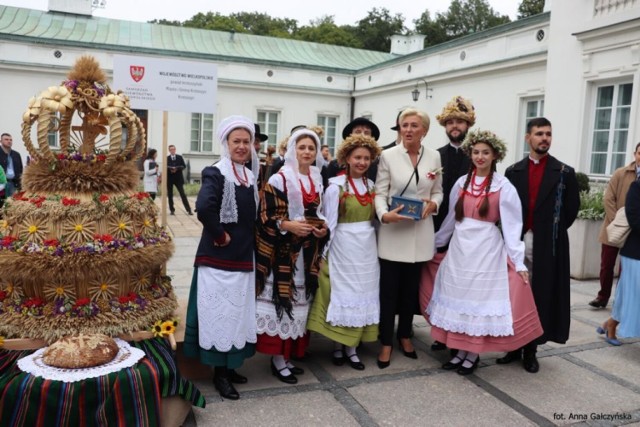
[585,382]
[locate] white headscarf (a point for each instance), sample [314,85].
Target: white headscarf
[292,174]
[229,207]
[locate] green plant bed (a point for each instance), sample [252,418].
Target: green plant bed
[591,205]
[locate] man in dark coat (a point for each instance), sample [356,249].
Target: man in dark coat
[550,200]
[456,117]
[175,166]
[11,163]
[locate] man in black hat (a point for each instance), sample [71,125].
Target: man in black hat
[397,129]
[358,126]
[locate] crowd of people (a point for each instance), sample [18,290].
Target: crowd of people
[341,246]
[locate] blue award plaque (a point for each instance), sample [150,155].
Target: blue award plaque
[412,207]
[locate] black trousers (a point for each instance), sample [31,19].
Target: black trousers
[399,282]
[180,186]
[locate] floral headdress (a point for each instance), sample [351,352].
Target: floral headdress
[458,108]
[488,137]
[357,141]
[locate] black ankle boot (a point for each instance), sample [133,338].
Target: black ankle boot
[222,383]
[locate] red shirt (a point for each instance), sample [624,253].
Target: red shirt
[536,171]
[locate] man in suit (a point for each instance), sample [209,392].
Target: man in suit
[548,191]
[457,116]
[175,166]
[11,162]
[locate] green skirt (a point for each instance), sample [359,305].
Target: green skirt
[349,336]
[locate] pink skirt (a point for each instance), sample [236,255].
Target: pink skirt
[526,324]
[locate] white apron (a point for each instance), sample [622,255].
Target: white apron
[471,293]
[226,308]
[355,294]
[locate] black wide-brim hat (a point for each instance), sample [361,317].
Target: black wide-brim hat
[397,126]
[361,121]
[262,136]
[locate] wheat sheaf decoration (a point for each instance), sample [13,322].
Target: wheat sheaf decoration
[88,117]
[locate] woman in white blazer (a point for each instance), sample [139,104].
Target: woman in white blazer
[151,173]
[410,170]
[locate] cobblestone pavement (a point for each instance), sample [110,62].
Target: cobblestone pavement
[584,382]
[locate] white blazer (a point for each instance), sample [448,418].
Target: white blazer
[407,241]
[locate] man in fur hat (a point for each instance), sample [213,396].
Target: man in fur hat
[457,116]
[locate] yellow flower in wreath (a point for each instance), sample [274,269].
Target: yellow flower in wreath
[1,341]
[58,290]
[33,229]
[140,282]
[120,226]
[79,229]
[13,289]
[102,288]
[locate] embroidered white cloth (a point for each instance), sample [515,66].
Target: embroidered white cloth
[266,317]
[226,308]
[127,357]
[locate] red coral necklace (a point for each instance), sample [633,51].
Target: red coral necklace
[363,199]
[308,197]
[477,189]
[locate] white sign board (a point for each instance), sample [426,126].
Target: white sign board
[166,84]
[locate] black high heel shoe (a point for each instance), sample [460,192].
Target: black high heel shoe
[385,364]
[288,379]
[409,354]
[468,371]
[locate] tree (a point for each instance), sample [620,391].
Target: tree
[469,16]
[262,24]
[434,32]
[214,21]
[375,30]
[324,30]
[165,22]
[530,7]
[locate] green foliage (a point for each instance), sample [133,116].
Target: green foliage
[324,30]
[591,205]
[375,29]
[583,182]
[462,18]
[372,32]
[530,7]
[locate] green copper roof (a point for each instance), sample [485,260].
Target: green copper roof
[61,29]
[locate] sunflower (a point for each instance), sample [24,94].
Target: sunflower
[120,226]
[102,288]
[33,229]
[5,227]
[168,327]
[79,229]
[54,291]
[157,329]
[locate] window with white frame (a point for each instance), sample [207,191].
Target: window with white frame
[269,122]
[328,124]
[610,133]
[201,133]
[52,136]
[533,107]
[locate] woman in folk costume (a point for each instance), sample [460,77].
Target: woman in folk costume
[482,300]
[346,308]
[291,235]
[220,327]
